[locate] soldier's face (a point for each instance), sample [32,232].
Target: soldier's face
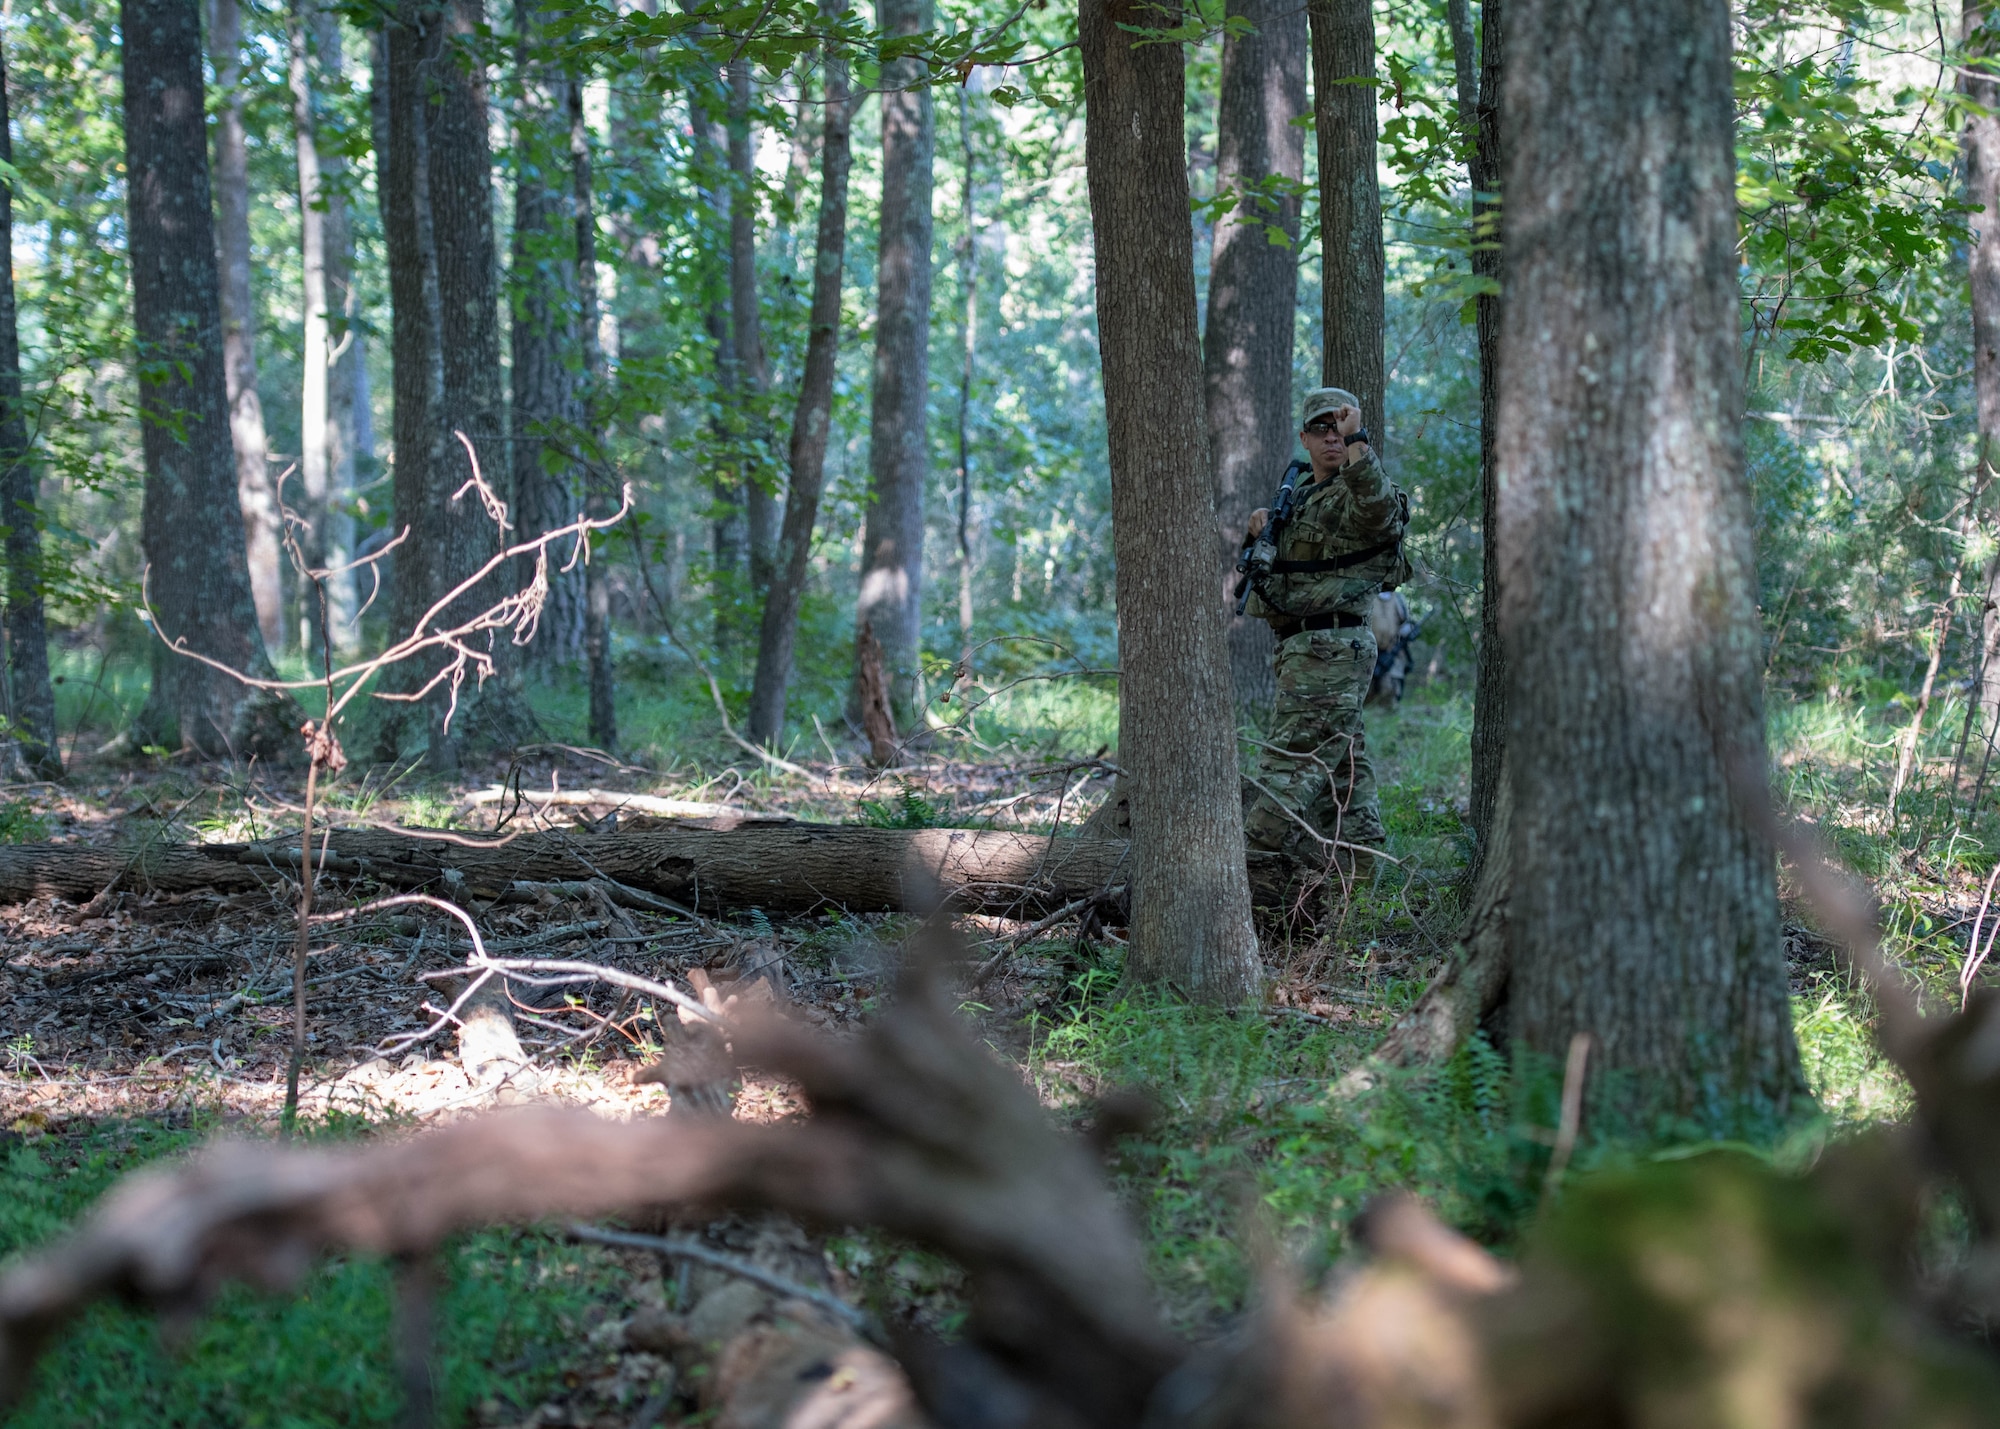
[1323,443]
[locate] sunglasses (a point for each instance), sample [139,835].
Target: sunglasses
[1325,427]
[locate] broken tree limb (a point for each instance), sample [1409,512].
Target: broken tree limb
[789,868]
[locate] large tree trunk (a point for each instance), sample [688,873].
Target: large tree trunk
[1176,727]
[546,415]
[27,698]
[813,417]
[1479,117]
[1350,204]
[254,487]
[779,867]
[191,525]
[447,338]
[1980,84]
[762,508]
[1644,908]
[349,428]
[1253,290]
[315,390]
[600,496]
[892,543]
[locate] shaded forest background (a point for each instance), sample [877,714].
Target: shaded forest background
[1856,345]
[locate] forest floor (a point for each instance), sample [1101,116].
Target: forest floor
[133,1029]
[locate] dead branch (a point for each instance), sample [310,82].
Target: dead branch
[682,1248]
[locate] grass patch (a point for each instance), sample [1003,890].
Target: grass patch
[1252,1130]
[512,1303]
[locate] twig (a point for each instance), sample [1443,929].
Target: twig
[679,1248]
[1029,934]
[1571,1119]
[825,743]
[520,612]
[532,970]
[722,712]
[1974,954]
[714,688]
[1323,840]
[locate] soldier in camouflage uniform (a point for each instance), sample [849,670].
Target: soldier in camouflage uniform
[1343,545]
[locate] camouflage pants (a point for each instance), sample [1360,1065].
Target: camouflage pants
[1323,773]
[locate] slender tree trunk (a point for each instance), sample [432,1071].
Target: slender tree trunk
[27,698]
[968,280]
[813,417]
[444,294]
[1979,80]
[315,426]
[191,526]
[347,414]
[1479,118]
[1350,203]
[729,533]
[254,487]
[892,555]
[1253,292]
[1644,907]
[1176,731]
[546,414]
[762,508]
[599,495]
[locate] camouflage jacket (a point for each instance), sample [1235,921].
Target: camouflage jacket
[1352,511]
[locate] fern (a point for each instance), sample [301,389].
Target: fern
[911,809]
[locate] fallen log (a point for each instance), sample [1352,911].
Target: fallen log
[781,868]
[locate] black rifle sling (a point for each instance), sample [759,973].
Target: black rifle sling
[1335,563]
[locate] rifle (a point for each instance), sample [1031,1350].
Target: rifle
[1254,564]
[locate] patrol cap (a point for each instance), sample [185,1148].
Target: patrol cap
[1322,400]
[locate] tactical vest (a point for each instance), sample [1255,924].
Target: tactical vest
[1324,569]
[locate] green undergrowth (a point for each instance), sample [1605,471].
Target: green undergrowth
[513,1303]
[1259,1149]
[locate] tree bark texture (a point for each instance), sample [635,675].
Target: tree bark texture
[1350,204]
[892,554]
[600,499]
[1979,81]
[546,415]
[255,489]
[443,292]
[777,867]
[349,433]
[762,508]
[191,525]
[1479,116]
[315,381]
[1176,727]
[27,699]
[812,419]
[1253,291]
[1644,907]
